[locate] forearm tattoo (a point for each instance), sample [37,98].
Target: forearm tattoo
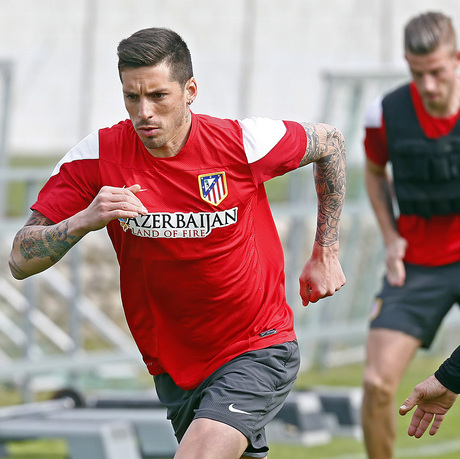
[41,238]
[326,148]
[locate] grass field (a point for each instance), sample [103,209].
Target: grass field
[445,445]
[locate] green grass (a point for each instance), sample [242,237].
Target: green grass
[349,376]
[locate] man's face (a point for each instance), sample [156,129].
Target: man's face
[158,108]
[435,76]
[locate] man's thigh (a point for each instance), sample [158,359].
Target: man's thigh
[206,438]
[245,394]
[388,354]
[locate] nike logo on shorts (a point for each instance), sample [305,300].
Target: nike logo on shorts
[236,410]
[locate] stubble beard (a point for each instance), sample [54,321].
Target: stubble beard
[160,141]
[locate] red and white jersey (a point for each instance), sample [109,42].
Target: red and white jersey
[202,275]
[434,241]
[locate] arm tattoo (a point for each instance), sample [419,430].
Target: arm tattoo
[326,148]
[53,242]
[41,238]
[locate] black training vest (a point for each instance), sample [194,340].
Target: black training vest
[426,171]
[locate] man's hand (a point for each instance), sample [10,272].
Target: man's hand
[433,400]
[396,272]
[109,204]
[322,275]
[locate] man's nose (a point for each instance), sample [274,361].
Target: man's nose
[145,109]
[428,83]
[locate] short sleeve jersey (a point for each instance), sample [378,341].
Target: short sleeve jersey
[202,274]
[425,245]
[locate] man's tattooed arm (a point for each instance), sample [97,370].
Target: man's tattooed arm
[326,148]
[38,245]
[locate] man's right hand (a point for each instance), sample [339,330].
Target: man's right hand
[396,272]
[433,401]
[110,204]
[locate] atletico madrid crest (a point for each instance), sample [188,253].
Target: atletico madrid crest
[213,187]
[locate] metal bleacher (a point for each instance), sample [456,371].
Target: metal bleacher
[90,433]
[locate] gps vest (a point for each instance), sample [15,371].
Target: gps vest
[426,171]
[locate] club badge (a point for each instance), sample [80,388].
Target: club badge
[213,187]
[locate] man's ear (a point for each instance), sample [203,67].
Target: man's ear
[191,90]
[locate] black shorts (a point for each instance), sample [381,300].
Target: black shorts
[419,306]
[245,393]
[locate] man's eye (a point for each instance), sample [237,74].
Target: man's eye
[131,96]
[158,95]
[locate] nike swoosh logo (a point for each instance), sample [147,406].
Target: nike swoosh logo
[236,410]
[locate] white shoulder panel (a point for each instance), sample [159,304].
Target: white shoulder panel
[88,148]
[373,116]
[260,135]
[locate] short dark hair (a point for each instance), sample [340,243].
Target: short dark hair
[425,33]
[153,46]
